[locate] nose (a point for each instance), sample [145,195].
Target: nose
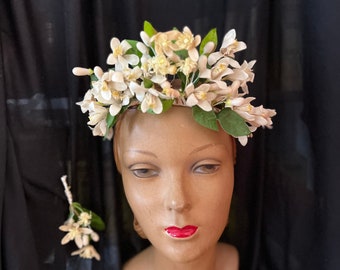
[177,196]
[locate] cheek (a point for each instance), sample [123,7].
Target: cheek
[218,200]
[143,206]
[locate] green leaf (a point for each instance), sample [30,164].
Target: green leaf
[133,49]
[233,123]
[111,120]
[96,222]
[204,118]
[149,29]
[211,36]
[182,54]
[147,83]
[93,77]
[167,104]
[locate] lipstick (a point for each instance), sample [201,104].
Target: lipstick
[184,232]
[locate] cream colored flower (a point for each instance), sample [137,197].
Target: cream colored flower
[101,129]
[151,101]
[164,42]
[79,71]
[221,69]
[228,48]
[87,252]
[204,71]
[144,49]
[85,103]
[187,66]
[138,90]
[96,113]
[200,96]
[255,116]
[244,74]
[109,86]
[84,219]
[243,140]
[230,45]
[187,41]
[209,47]
[133,74]
[145,38]
[169,91]
[119,56]
[75,232]
[232,97]
[161,65]
[110,90]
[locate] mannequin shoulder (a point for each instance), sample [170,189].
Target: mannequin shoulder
[227,257]
[140,261]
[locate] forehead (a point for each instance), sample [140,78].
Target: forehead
[172,129]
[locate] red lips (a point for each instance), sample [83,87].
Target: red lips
[184,232]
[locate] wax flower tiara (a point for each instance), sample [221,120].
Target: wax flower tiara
[175,68]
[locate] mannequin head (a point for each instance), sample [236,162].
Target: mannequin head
[178,179]
[177,174]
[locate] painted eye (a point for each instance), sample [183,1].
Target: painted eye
[144,172]
[206,168]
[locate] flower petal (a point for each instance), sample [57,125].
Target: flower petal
[115,108]
[191,100]
[205,105]
[132,59]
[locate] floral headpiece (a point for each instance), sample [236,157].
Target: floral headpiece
[175,68]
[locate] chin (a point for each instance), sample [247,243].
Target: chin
[185,252]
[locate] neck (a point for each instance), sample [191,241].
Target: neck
[206,262]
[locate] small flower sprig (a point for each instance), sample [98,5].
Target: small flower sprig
[79,226]
[175,68]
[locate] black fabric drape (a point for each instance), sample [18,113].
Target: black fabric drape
[285,210]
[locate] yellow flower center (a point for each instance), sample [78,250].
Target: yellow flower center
[232,47]
[115,94]
[85,218]
[117,51]
[184,41]
[104,86]
[160,64]
[151,104]
[167,91]
[221,67]
[228,103]
[74,231]
[201,95]
[188,66]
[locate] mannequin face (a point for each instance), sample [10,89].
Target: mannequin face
[178,178]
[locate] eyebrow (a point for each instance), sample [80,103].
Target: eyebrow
[142,152]
[198,149]
[203,147]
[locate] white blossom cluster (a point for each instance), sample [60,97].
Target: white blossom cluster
[78,228]
[174,68]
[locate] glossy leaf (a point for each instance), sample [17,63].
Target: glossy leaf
[149,29]
[96,222]
[147,83]
[204,118]
[167,104]
[233,123]
[211,36]
[133,49]
[110,120]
